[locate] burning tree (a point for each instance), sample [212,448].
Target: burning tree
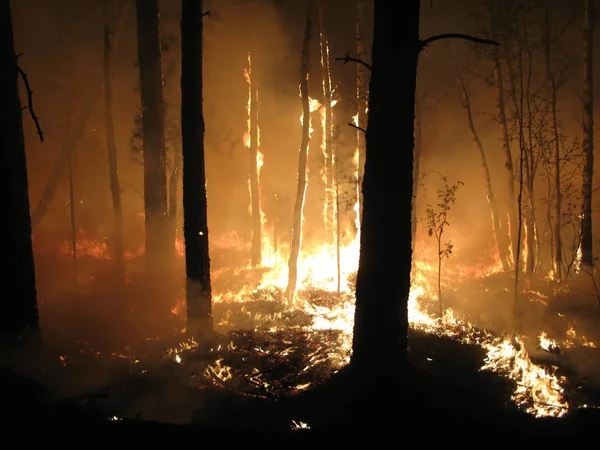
[302,161]
[197,261]
[20,308]
[254,164]
[153,125]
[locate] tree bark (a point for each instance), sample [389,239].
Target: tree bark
[256,250]
[417,163]
[153,129]
[302,161]
[501,243]
[362,95]
[383,279]
[113,171]
[19,308]
[587,254]
[197,260]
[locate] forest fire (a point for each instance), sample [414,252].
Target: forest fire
[233,265]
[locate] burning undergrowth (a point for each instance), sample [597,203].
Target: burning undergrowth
[268,350]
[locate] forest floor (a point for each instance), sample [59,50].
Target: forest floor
[119,354]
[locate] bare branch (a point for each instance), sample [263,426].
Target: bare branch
[36,120]
[439,37]
[350,124]
[348,58]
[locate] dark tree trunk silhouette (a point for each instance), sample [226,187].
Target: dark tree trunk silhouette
[501,243]
[195,229]
[419,104]
[153,129]
[383,280]
[113,171]
[77,133]
[302,161]
[19,308]
[587,254]
[256,250]
[362,86]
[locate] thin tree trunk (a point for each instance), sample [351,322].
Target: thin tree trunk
[558,272]
[19,306]
[173,185]
[500,242]
[73,211]
[332,202]
[197,260]
[329,213]
[587,254]
[530,160]
[519,106]
[381,315]
[508,159]
[113,171]
[256,251]
[153,129]
[302,162]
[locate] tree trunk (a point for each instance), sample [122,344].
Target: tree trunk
[508,160]
[302,162]
[501,243]
[19,308]
[557,246]
[113,171]
[587,255]
[73,214]
[197,260]
[417,162]
[256,251]
[173,184]
[153,129]
[329,212]
[383,279]
[362,95]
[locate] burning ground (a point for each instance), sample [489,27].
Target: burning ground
[272,360]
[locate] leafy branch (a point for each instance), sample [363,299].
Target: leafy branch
[437,221]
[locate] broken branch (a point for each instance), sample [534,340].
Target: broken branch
[353,125]
[36,120]
[348,58]
[439,37]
